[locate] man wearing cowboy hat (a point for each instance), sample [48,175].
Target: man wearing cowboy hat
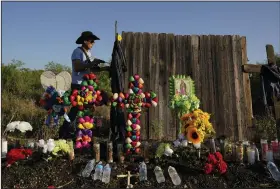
[82,63]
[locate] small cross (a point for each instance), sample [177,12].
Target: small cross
[133,101]
[128,178]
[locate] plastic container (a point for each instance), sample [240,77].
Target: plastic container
[159,174]
[98,171]
[88,169]
[143,171]
[272,168]
[174,176]
[106,174]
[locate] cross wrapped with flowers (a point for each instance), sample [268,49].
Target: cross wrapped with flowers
[133,101]
[86,98]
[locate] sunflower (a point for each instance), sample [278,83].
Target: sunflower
[193,135]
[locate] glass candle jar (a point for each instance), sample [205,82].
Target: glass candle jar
[264,148]
[251,154]
[269,154]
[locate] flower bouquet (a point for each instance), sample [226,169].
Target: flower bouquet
[215,163]
[196,126]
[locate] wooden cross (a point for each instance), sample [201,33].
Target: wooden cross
[133,101]
[128,178]
[251,68]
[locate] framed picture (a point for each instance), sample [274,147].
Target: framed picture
[181,85]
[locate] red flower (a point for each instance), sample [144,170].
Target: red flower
[212,159]
[17,154]
[208,168]
[222,167]
[52,187]
[219,156]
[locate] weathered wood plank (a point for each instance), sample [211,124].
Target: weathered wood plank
[247,88]
[163,63]
[242,127]
[251,68]
[210,79]
[195,63]
[270,54]
[154,73]
[203,71]
[171,70]
[144,74]
[238,128]
[228,88]
[222,88]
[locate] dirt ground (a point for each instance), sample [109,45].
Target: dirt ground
[61,173]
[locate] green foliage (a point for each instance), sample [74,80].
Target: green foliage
[22,90]
[265,128]
[161,149]
[57,68]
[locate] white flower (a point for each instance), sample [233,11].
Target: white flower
[22,126]
[41,143]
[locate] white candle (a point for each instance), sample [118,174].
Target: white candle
[269,155]
[251,155]
[4,147]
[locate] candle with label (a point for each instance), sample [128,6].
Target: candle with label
[4,147]
[264,148]
[251,154]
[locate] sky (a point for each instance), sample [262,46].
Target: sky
[39,32]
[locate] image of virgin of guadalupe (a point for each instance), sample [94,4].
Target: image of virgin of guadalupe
[183,88]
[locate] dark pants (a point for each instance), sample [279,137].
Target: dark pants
[67,130]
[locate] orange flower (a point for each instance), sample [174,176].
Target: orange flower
[193,136]
[185,116]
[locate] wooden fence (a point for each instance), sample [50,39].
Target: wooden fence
[213,62]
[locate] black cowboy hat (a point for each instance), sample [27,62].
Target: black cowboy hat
[85,36]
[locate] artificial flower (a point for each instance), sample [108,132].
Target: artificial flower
[193,136]
[219,156]
[208,168]
[217,163]
[212,159]
[17,154]
[222,167]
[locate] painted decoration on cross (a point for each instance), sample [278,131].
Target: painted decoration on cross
[134,101]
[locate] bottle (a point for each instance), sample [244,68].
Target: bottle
[273,170]
[88,169]
[159,174]
[143,171]
[98,171]
[106,174]
[174,176]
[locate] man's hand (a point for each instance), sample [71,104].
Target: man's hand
[79,66]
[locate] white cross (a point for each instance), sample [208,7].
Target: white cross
[128,178]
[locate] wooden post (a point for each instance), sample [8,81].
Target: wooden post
[251,68]
[116,30]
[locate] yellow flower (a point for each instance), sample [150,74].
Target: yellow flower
[119,37]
